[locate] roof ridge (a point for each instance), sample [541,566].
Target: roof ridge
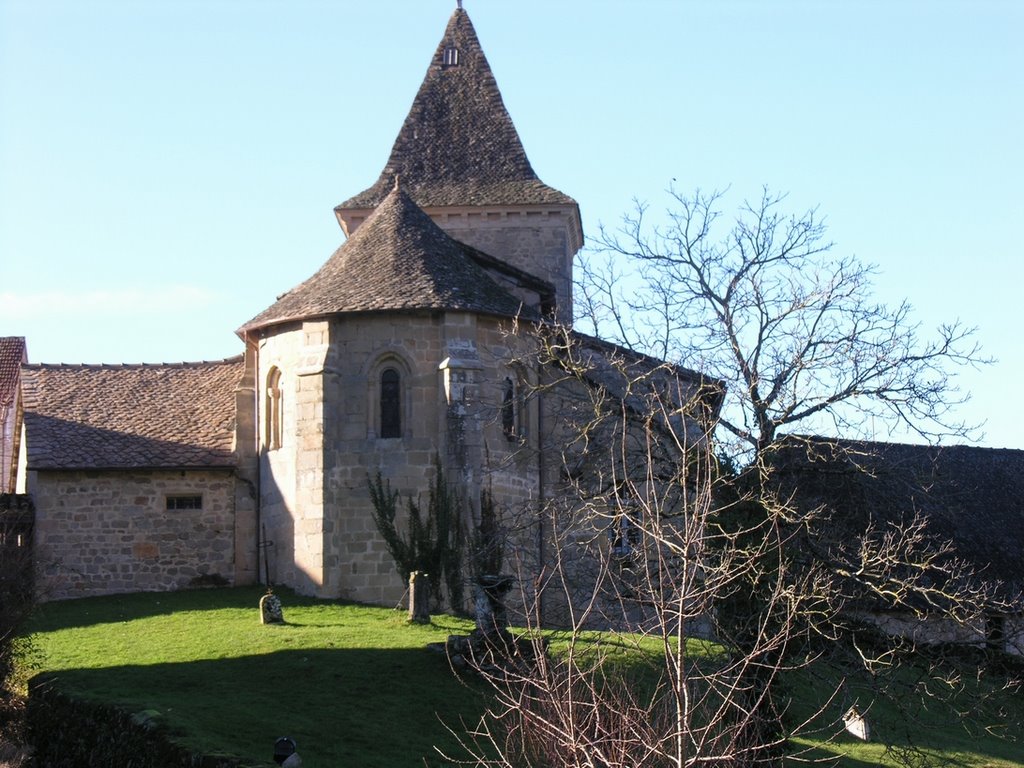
[122,366]
[657,362]
[900,444]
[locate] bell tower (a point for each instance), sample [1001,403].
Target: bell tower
[461,160]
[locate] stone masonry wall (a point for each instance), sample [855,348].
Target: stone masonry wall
[539,242]
[472,348]
[314,498]
[103,533]
[290,498]
[939,630]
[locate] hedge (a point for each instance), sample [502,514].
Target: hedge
[75,733]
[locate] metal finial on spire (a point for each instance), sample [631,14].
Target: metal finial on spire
[459,4]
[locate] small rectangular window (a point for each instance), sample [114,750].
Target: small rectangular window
[185,502]
[451,57]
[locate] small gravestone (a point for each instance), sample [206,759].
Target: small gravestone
[270,609]
[857,725]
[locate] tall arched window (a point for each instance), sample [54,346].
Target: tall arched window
[508,409]
[274,409]
[390,403]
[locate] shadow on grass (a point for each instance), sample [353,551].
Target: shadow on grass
[367,707]
[915,718]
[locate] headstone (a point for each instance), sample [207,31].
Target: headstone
[419,598]
[857,725]
[270,609]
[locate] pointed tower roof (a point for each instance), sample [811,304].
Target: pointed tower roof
[458,145]
[399,259]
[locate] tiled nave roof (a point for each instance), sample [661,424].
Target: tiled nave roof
[167,415]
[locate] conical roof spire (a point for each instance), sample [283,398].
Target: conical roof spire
[458,145]
[399,259]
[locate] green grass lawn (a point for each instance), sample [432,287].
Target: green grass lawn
[914,729]
[354,685]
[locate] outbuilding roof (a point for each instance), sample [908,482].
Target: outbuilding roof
[971,496]
[398,260]
[458,145]
[168,415]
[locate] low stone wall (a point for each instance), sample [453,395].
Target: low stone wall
[109,532]
[945,631]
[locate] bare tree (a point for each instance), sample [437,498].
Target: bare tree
[766,307]
[718,578]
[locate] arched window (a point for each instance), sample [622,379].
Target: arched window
[508,409]
[390,403]
[274,409]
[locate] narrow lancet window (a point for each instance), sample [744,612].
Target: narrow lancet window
[508,409]
[450,57]
[390,404]
[275,406]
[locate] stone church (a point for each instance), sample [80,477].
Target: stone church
[403,352]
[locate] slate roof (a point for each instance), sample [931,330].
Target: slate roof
[971,496]
[12,355]
[458,145]
[168,415]
[398,260]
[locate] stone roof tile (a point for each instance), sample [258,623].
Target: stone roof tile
[969,495]
[131,416]
[458,145]
[12,355]
[398,260]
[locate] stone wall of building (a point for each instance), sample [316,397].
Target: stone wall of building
[293,354]
[247,533]
[314,493]
[539,241]
[100,532]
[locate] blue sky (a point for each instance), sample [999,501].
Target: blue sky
[167,167]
